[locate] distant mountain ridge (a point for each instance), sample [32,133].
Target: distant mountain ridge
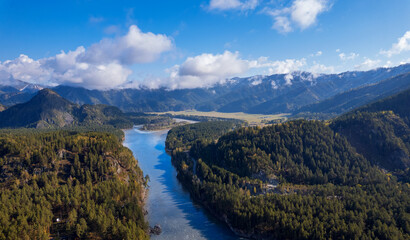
[48,109]
[354,98]
[279,93]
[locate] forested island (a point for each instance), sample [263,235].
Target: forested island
[69,184]
[347,178]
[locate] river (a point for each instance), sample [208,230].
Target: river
[168,204]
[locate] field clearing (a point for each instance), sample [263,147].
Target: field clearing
[250,118]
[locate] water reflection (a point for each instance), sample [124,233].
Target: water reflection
[169,205]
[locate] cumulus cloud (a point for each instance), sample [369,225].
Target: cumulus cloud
[135,47]
[25,69]
[305,12]
[402,45]
[283,67]
[302,13]
[351,56]
[206,70]
[223,5]
[103,65]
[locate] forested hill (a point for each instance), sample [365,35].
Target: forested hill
[300,152]
[380,131]
[69,185]
[183,137]
[398,103]
[47,109]
[326,189]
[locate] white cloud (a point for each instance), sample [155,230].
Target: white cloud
[223,5]
[206,70]
[402,45]
[25,69]
[224,64]
[405,61]
[284,67]
[388,64]
[135,47]
[103,65]
[345,57]
[302,13]
[250,4]
[305,12]
[368,64]
[282,24]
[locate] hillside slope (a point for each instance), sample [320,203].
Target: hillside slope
[48,109]
[380,131]
[295,180]
[69,185]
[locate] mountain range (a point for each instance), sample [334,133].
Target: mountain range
[47,109]
[298,92]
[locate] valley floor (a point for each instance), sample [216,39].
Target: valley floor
[252,119]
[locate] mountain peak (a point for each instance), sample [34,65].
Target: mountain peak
[47,91]
[47,98]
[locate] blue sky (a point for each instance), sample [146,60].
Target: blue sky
[186,44]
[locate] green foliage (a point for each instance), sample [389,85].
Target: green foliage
[48,110]
[397,103]
[184,136]
[382,137]
[380,131]
[68,184]
[326,191]
[299,152]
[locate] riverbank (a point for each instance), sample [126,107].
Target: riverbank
[168,203]
[188,180]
